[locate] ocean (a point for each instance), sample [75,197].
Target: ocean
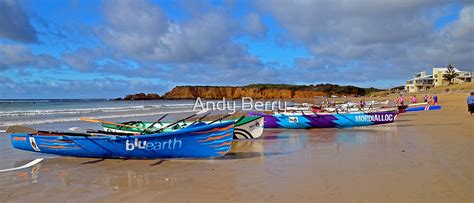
[60,112]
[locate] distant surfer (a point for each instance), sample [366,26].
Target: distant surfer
[470,103]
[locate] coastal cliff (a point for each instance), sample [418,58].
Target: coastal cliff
[256,91]
[141,96]
[216,92]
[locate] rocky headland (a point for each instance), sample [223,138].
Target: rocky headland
[256,91]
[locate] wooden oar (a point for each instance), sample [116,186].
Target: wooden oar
[108,122]
[23,129]
[20,129]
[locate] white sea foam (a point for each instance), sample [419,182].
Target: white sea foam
[68,111]
[24,101]
[88,110]
[70,119]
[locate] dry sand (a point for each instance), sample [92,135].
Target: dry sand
[423,157]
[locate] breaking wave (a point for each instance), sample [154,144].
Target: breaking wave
[88,110]
[69,119]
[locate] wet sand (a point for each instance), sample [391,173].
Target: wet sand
[423,157]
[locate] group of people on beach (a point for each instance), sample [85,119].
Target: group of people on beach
[433,100]
[430,99]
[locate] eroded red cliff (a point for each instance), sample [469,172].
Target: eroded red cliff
[218,92]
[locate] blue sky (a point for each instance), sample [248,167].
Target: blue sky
[106,49]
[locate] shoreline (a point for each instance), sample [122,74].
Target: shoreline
[422,157]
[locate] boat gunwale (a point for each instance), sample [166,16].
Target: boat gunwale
[99,137]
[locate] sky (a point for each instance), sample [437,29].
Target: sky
[107,49]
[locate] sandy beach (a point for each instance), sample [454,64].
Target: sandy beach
[423,157]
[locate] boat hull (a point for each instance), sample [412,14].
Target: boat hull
[251,128]
[195,142]
[423,108]
[335,120]
[245,127]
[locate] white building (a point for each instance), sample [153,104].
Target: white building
[463,76]
[423,82]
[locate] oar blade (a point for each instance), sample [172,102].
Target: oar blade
[91,120]
[20,129]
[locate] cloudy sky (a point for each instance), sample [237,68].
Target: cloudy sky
[106,49]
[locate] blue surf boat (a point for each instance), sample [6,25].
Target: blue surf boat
[423,108]
[193,142]
[326,120]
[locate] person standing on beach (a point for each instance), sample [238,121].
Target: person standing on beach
[470,103]
[430,99]
[401,101]
[425,98]
[435,99]
[362,104]
[413,99]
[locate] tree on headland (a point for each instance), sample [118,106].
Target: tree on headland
[450,74]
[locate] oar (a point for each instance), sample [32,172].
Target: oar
[199,119]
[107,122]
[30,164]
[178,121]
[220,119]
[23,129]
[151,126]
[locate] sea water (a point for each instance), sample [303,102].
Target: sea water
[61,111]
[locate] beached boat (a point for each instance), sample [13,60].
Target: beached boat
[326,120]
[423,108]
[245,127]
[193,142]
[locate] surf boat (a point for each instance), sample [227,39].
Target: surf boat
[245,127]
[326,120]
[198,141]
[421,108]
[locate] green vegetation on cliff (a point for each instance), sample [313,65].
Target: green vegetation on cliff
[329,89]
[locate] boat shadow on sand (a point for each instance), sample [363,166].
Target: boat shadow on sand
[428,124]
[247,155]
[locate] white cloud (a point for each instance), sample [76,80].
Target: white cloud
[373,40]
[20,57]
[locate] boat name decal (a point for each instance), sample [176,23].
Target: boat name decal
[374,118]
[255,125]
[171,144]
[293,119]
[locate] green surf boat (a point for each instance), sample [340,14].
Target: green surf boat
[245,127]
